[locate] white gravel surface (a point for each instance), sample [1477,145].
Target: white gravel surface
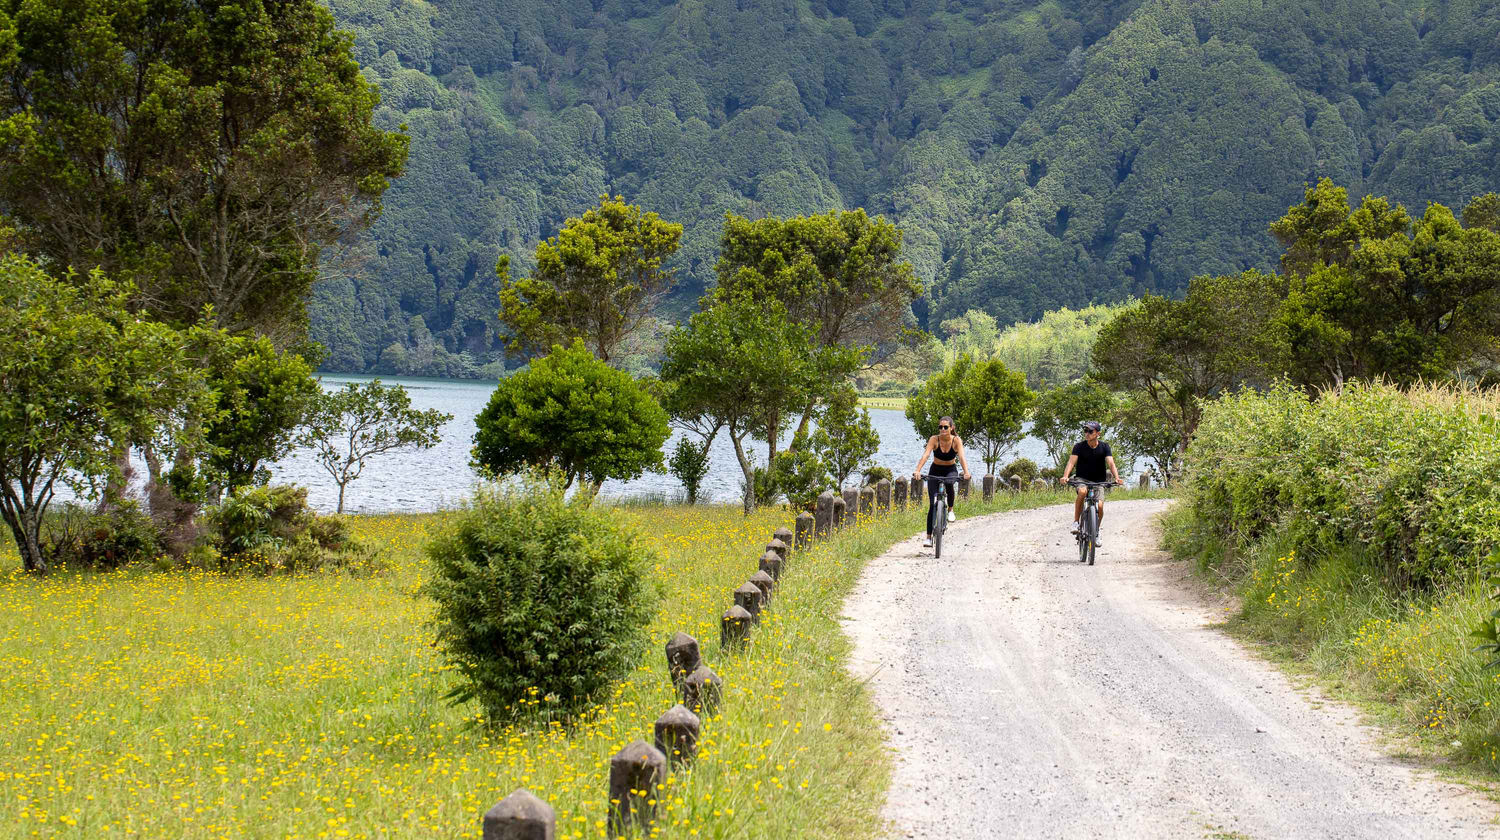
[1028,695]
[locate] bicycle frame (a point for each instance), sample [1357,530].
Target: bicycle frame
[1088,523]
[941,520]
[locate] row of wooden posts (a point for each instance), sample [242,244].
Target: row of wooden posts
[638,771]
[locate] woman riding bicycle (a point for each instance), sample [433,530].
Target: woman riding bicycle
[947,451]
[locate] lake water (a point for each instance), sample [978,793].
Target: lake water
[441,477]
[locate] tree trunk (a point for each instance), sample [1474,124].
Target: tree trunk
[119,484]
[341,498]
[26,526]
[747,469]
[172,514]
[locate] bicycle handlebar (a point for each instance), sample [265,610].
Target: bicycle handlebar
[1083,482]
[946,479]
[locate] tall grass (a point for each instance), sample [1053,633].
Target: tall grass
[1357,527]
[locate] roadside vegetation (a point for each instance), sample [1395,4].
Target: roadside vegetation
[1359,529]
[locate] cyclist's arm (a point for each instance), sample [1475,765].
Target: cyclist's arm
[962,461]
[1113,471]
[923,458]
[1068,470]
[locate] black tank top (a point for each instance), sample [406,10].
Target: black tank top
[945,454]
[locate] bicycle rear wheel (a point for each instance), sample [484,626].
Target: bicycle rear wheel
[1093,539]
[939,526]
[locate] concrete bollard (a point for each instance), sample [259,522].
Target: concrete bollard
[734,627]
[748,597]
[805,522]
[1017,484]
[838,514]
[898,494]
[989,488]
[766,583]
[1040,484]
[677,734]
[963,489]
[851,506]
[883,496]
[916,491]
[866,501]
[634,774]
[771,564]
[1145,481]
[785,535]
[703,691]
[520,816]
[780,547]
[683,657]
[823,521]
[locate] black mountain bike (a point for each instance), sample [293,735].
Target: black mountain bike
[940,523]
[1088,524]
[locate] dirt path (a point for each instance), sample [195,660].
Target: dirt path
[1027,695]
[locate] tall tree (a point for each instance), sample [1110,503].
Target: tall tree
[77,372]
[746,364]
[203,149]
[1059,413]
[597,280]
[993,405]
[845,439]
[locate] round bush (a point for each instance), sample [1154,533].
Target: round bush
[541,601]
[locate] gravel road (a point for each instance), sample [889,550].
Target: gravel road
[1027,695]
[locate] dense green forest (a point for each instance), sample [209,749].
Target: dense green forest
[1036,155]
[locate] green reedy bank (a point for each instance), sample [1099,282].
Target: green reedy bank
[1357,529]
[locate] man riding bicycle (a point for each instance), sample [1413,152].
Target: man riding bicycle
[1090,456]
[947,451]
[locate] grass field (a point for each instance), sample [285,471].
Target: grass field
[173,705]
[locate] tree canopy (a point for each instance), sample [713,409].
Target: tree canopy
[204,151]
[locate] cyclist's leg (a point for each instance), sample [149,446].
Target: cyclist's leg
[1078,504]
[1103,492]
[952,488]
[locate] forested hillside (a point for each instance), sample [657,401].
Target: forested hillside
[1035,154]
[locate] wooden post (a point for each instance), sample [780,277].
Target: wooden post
[677,734]
[520,816]
[851,506]
[682,657]
[805,522]
[748,597]
[839,519]
[989,488]
[963,488]
[703,691]
[823,521]
[771,564]
[898,494]
[634,774]
[916,491]
[780,547]
[785,535]
[883,496]
[766,583]
[734,628]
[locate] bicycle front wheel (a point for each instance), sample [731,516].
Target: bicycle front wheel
[939,527]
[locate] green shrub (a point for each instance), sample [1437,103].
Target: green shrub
[540,600]
[874,474]
[800,475]
[1408,475]
[766,490]
[689,463]
[1023,467]
[271,529]
[79,538]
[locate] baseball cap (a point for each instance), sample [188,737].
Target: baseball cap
[1091,425]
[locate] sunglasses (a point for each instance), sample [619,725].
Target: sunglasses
[943,428]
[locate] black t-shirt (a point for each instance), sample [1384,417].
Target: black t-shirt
[1091,464]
